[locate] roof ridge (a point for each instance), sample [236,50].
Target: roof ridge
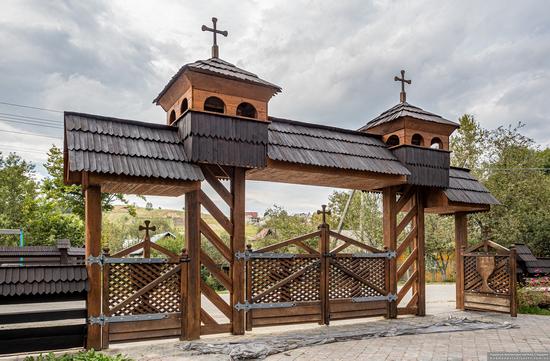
[322,126]
[333,152]
[122,120]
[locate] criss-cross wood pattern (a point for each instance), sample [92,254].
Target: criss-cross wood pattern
[357,277]
[496,265]
[126,279]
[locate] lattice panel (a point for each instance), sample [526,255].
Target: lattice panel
[498,281]
[126,279]
[344,285]
[267,273]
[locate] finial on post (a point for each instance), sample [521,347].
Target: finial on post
[324,212]
[403,94]
[214,30]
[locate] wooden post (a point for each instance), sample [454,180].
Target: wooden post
[461,240]
[184,274]
[421,257]
[106,306]
[92,205]
[390,241]
[387,282]
[249,289]
[193,245]
[513,283]
[238,245]
[324,274]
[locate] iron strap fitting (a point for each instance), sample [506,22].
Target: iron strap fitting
[101,260]
[102,319]
[388,255]
[390,297]
[246,255]
[250,306]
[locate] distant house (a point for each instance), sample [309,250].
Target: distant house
[263,233]
[251,217]
[157,237]
[528,264]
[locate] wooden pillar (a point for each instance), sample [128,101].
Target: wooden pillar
[184,275]
[513,283]
[193,245]
[421,256]
[325,267]
[92,209]
[238,245]
[390,241]
[461,240]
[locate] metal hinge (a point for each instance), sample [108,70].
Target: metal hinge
[101,260]
[388,255]
[390,298]
[250,306]
[97,260]
[102,319]
[246,255]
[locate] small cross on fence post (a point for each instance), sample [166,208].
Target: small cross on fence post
[215,31]
[402,95]
[147,238]
[324,212]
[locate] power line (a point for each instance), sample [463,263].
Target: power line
[29,122]
[11,115]
[15,149]
[31,107]
[33,134]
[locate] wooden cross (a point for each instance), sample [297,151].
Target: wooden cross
[214,31]
[147,238]
[403,95]
[324,212]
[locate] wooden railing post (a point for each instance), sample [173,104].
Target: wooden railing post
[390,241]
[184,262]
[461,240]
[421,257]
[238,245]
[193,245]
[249,289]
[324,274]
[513,283]
[92,206]
[106,306]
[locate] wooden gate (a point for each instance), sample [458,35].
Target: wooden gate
[301,280]
[489,278]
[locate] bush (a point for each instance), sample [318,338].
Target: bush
[80,356]
[535,294]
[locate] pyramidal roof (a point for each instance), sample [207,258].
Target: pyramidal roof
[405,109]
[219,67]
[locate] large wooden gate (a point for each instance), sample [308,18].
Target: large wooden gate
[302,280]
[489,278]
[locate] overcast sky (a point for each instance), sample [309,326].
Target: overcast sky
[335,61]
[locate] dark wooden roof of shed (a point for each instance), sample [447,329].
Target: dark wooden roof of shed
[42,280]
[464,188]
[531,264]
[218,67]
[313,144]
[126,147]
[403,110]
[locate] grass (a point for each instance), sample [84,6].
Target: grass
[80,356]
[534,310]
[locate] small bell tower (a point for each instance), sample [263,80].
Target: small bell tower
[411,125]
[217,86]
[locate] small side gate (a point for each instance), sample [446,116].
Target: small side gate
[318,284]
[489,278]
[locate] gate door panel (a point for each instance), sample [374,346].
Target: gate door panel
[489,278]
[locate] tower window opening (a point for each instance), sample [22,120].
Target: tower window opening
[214,104]
[172,117]
[417,140]
[246,110]
[184,105]
[436,143]
[392,141]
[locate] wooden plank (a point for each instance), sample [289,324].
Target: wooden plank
[487,298]
[106,302]
[461,241]
[358,314]
[347,305]
[389,222]
[421,254]
[309,309]
[193,245]
[216,299]
[238,245]
[213,329]
[289,242]
[407,242]
[274,321]
[248,316]
[407,311]
[214,182]
[354,242]
[171,255]
[513,283]
[485,307]
[127,251]
[172,321]
[408,217]
[404,199]
[408,262]
[41,316]
[324,274]
[406,287]
[207,319]
[307,248]
[92,207]
[216,213]
[216,241]
[216,271]
[184,296]
[145,335]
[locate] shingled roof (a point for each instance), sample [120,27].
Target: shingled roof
[42,280]
[405,109]
[464,188]
[218,67]
[126,147]
[313,144]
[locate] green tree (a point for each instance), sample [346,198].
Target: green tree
[440,243]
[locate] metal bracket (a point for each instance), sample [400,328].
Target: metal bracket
[102,319]
[250,306]
[390,298]
[96,260]
[388,255]
[101,260]
[246,255]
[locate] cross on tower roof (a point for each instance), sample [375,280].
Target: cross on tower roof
[146,228]
[324,212]
[403,95]
[214,30]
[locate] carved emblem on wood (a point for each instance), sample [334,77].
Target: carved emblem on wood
[485,266]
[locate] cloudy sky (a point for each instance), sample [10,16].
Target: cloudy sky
[335,61]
